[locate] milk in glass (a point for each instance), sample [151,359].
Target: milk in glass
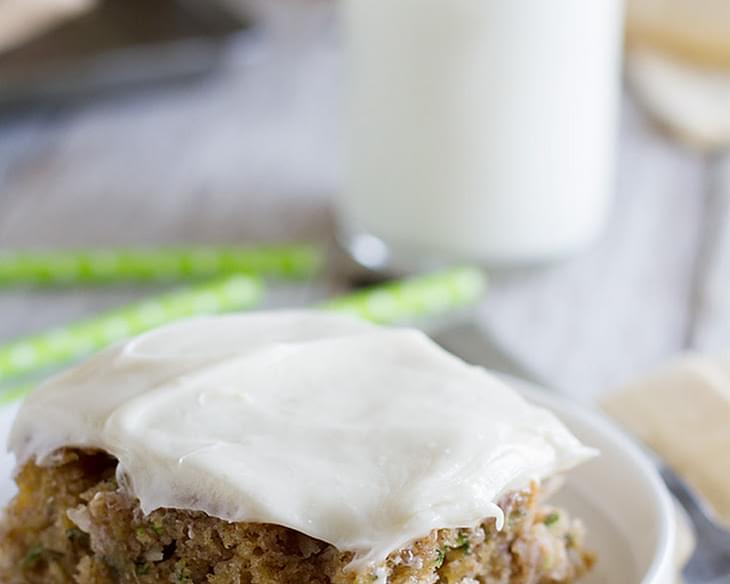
[478,129]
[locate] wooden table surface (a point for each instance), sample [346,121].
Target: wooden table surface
[251,154]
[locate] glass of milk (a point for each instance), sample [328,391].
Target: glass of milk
[478,129]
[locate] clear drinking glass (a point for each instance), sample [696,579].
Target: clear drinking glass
[478,129]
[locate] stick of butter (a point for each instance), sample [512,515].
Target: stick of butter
[679,66]
[697,31]
[683,413]
[691,102]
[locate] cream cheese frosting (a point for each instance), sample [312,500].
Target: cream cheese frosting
[362,436]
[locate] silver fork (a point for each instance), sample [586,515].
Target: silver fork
[710,563]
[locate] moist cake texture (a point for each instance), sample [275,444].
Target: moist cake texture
[73,524]
[286,447]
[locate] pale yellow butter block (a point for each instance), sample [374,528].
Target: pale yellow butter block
[679,66]
[692,102]
[695,30]
[683,413]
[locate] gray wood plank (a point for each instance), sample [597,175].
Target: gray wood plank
[710,330]
[248,155]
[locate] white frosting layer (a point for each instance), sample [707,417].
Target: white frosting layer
[361,436]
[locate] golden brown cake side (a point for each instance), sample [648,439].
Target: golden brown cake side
[72,523]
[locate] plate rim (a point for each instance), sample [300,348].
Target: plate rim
[666,544]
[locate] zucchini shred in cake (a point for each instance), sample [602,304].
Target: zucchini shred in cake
[287,447]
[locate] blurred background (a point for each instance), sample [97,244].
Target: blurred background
[149,122]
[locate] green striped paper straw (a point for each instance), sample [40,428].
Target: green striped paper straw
[409,299]
[414,298]
[66,343]
[134,265]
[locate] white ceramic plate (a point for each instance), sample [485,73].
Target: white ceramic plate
[627,510]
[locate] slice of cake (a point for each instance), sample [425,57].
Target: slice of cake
[286,447]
